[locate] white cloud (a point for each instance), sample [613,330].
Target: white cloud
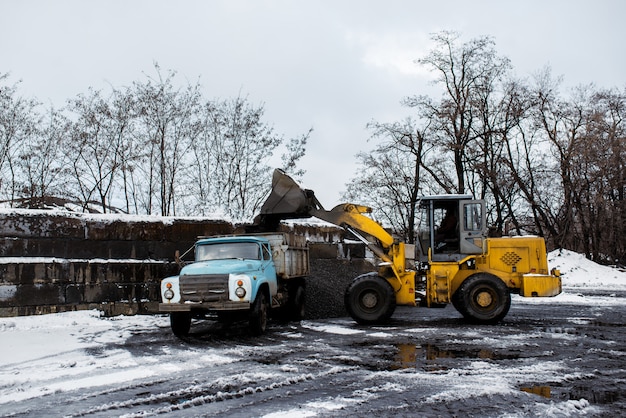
[394,52]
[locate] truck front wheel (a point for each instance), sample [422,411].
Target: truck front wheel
[370,299]
[483,299]
[259,314]
[180,323]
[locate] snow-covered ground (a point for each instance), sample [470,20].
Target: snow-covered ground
[58,353]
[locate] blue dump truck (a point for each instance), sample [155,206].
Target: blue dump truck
[239,277]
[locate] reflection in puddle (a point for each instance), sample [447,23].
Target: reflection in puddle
[596,395]
[431,358]
[593,395]
[537,390]
[412,356]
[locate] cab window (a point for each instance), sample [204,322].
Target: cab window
[472,217]
[266,254]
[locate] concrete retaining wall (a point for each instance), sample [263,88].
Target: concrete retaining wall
[57,261]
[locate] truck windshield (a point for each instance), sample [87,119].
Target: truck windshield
[222,251]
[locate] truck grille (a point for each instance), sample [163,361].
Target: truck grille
[204,288]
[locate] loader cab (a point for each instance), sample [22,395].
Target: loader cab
[451,227]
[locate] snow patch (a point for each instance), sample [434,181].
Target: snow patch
[579,272]
[331,329]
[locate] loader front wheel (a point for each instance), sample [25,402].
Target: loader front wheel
[370,299]
[482,299]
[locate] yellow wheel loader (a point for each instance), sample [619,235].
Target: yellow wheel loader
[453,262]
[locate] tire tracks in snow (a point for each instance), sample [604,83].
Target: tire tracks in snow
[199,395]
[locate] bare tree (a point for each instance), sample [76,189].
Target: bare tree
[611,105]
[95,148]
[42,163]
[597,173]
[295,150]
[169,121]
[19,123]
[244,145]
[465,72]
[392,173]
[203,164]
[502,106]
[229,170]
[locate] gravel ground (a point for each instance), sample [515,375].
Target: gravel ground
[556,357]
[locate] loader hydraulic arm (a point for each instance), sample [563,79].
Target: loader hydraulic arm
[350,217]
[288,201]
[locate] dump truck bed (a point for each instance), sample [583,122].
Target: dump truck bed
[290,253]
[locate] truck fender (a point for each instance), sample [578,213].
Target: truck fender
[258,283]
[171,284]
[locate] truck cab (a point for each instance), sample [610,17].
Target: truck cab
[237,275]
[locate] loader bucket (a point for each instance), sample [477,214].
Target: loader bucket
[285,201]
[286,197]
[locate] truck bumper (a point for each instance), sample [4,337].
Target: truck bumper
[214,306]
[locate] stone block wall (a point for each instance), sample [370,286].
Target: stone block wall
[56,261]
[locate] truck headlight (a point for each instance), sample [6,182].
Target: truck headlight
[240,292]
[169,293]
[239,288]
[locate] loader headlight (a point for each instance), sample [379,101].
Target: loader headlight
[240,292]
[169,293]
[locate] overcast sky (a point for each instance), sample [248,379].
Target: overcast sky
[332,66]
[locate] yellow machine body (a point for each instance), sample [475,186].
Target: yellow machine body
[520,262]
[457,262]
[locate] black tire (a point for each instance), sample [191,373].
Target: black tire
[297,308]
[259,313]
[370,299]
[180,323]
[482,299]
[455,301]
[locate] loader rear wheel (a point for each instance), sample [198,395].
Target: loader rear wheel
[370,299]
[482,299]
[180,323]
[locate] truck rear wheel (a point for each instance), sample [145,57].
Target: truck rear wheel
[297,308]
[482,298]
[180,323]
[259,314]
[370,299]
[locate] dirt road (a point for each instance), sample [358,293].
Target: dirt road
[550,357]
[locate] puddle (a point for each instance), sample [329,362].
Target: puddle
[427,357]
[413,356]
[593,395]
